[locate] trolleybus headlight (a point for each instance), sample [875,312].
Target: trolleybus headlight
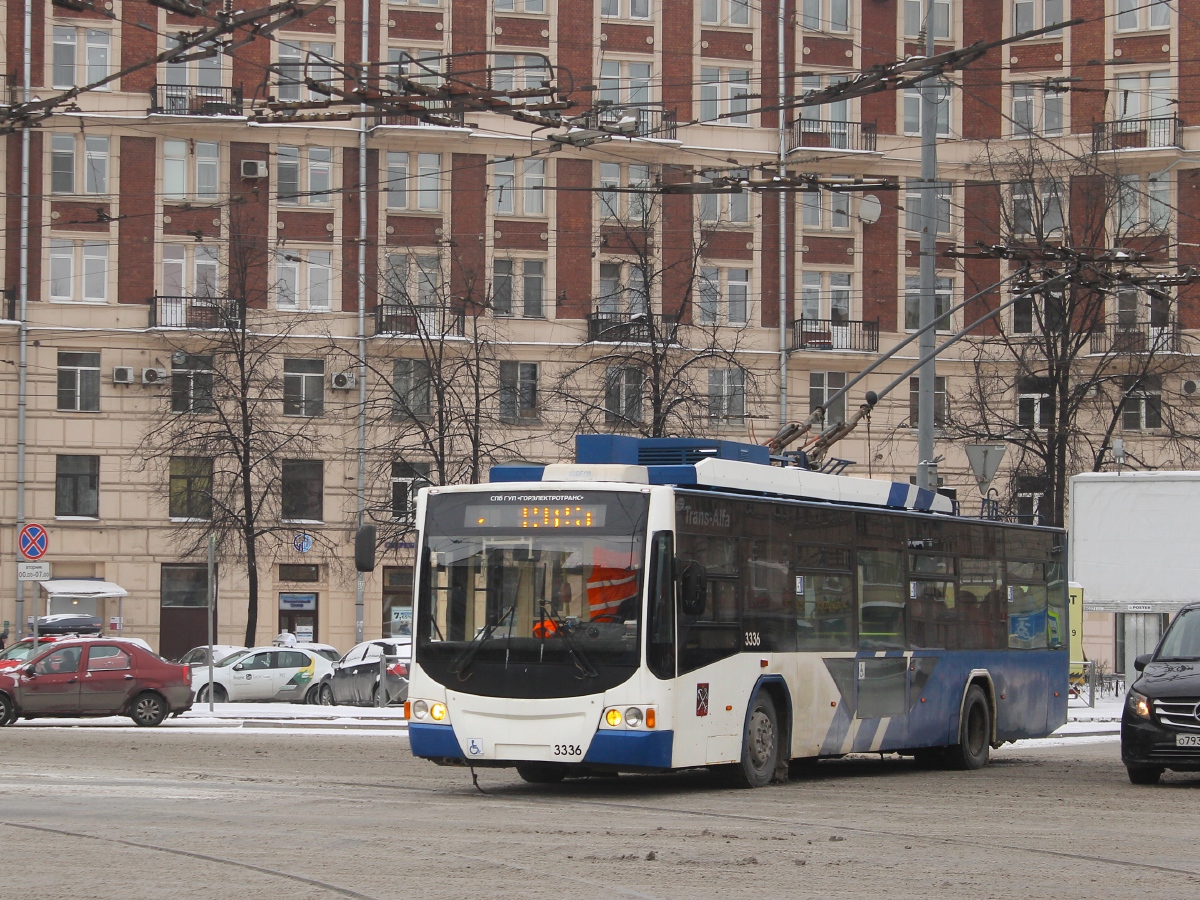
[633,717]
[420,709]
[1139,705]
[613,717]
[437,712]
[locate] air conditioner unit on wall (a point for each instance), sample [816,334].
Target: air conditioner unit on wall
[154,376]
[342,381]
[123,375]
[254,168]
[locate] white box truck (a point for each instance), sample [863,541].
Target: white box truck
[1134,545]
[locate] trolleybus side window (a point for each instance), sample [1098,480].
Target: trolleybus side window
[982,623]
[881,600]
[1027,620]
[660,640]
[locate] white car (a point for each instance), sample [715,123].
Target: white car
[198,656]
[264,673]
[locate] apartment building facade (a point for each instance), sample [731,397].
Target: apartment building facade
[485,291]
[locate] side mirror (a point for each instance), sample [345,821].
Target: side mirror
[29,670]
[1140,662]
[693,588]
[237,667]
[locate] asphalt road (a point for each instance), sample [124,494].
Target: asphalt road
[153,814]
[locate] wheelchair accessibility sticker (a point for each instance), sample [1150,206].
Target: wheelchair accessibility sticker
[475,746]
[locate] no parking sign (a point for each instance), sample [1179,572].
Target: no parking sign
[34,541]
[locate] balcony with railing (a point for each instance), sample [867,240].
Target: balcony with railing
[193,100]
[631,328]
[644,120]
[1136,337]
[193,312]
[834,334]
[439,118]
[826,134]
[1153,133]
[410,319]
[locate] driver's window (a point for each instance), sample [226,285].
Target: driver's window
[59,662]
[258,661]
[372,652]
[353,656]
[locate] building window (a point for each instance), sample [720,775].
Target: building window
[85,52]
[821,387]
[519,187]
[623,395]
[190,270]
[414,279]
[1141,15]
[518,391]
[191,170]
[183,585]
[519,287]
[624,288]
[302,488]
[826,296]
[78,271]
[719,209]
[1036,109]
[190,491]
[421,66]
[301,60]
[304,280]
[914,18]
[77,486]
[1035,404]
[516,72]
[411,393]
[304,175]
[942,292]
[825,210]
[422,192]
[914,198]
[633,207]
[298,572]
[407,479]
[67,152]
[726,395]
[624,83]
[725,12]
[625,9]
[723,297]
[724,95]
[1031,14]
[192,384]
[825,15]
[1037,209]
[1142,95]
[1143,204]
[912,109]
[304,387]
[525,6]
[1028,508]
[78,381]
[914,401]
[1141,408]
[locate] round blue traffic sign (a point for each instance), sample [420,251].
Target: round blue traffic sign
[34,542]
[302,542]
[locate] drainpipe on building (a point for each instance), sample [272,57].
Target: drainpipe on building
[22,328]
[360,500]
[783,234]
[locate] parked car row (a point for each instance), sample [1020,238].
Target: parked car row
[94,676]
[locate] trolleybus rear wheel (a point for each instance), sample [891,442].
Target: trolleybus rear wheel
[974,733]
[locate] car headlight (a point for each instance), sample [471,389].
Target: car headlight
[420,709]
[633,716]
[437,712]
[613,717]
[1139,705]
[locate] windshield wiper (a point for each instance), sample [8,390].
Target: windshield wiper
[464,660]
[563,630]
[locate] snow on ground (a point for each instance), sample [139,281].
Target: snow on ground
[271,718]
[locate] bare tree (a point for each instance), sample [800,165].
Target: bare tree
[230,426]
[1056,376]
[675,370]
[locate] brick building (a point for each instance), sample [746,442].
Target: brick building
[159,200]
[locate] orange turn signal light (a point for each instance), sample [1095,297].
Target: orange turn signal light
[650,718]
[408,709]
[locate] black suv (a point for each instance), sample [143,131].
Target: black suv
[1160,728]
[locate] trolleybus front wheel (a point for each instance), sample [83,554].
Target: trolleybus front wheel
[760,745]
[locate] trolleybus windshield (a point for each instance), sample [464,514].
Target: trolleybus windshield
[532,595]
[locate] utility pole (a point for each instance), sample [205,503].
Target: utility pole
[927,377]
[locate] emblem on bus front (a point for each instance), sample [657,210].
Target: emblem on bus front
[702,699]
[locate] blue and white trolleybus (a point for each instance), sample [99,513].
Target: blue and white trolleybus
[671,603]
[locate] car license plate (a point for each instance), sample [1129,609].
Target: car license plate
[1187,740]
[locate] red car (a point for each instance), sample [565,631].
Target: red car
[23,649]
[95,677]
